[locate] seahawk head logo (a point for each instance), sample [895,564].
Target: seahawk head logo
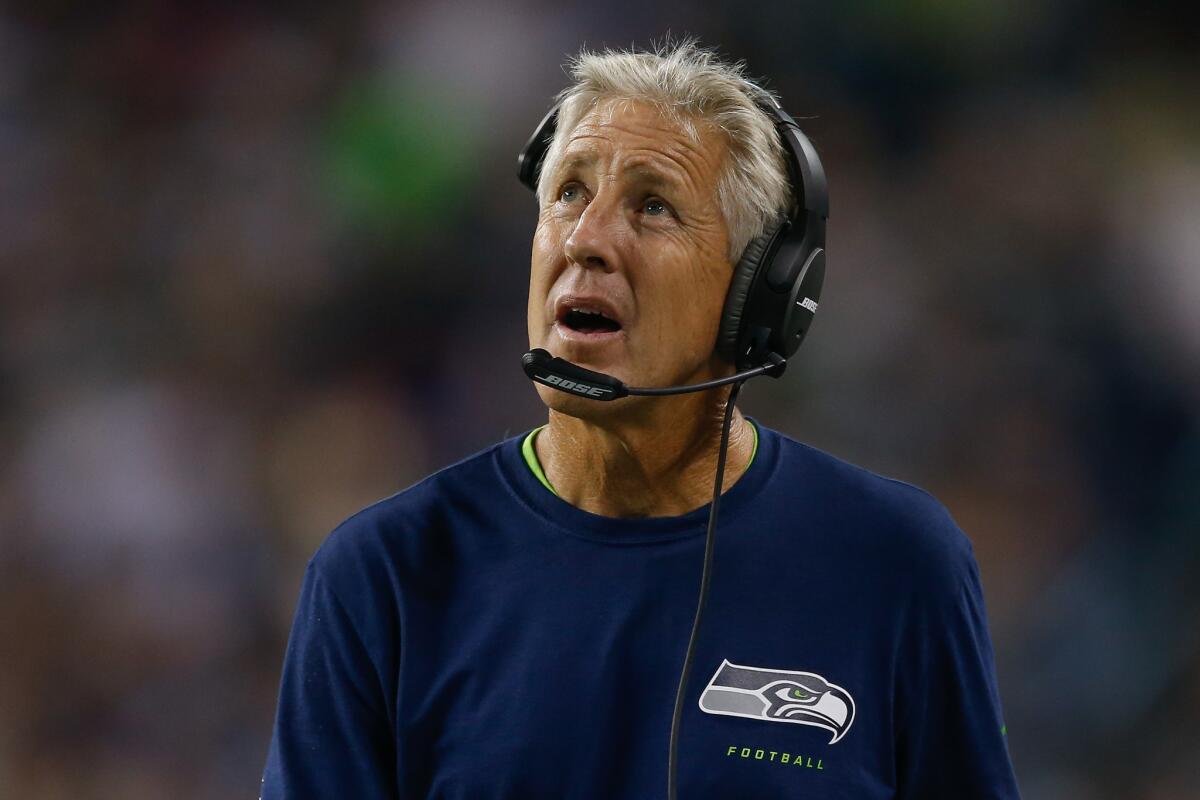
[779,696]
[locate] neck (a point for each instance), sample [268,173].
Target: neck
[658,462]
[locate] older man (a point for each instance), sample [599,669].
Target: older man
[514,625]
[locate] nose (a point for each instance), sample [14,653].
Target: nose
[596,238]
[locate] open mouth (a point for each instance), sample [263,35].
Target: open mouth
[584,320]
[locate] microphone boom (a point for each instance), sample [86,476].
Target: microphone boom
[558,373]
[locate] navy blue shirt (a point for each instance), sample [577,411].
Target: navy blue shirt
[475,637]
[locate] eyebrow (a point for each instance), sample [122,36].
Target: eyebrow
[652,177]
[644,172]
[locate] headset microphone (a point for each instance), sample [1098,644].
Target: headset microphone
[558,373]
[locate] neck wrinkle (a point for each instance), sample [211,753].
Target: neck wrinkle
[644,467]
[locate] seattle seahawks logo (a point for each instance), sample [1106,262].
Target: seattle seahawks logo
[779,696]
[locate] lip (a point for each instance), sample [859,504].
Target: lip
[580,337]
[568,301]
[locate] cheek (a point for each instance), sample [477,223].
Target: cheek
[711,277]
[706,313]
[545,256]
[685,294]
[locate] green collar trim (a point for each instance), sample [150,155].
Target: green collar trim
[535,466]
[532,460]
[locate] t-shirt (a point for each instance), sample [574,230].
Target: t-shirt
[476,637]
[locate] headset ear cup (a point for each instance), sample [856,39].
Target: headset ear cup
[740,284]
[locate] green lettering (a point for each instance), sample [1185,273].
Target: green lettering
[773,754]
[758,754]
[732,750]
[819,764]
[745,752]
[809,764]
[786,758]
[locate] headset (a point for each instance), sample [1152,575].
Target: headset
[776,285]
[771,302]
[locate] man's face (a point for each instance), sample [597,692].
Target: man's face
[633,230]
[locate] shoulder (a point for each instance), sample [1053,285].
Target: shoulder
[400,528]
[894,523]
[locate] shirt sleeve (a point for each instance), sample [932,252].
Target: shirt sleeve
[951,739]
[331,737]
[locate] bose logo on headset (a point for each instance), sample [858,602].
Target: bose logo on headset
[573,386]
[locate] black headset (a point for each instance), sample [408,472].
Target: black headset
[776,285]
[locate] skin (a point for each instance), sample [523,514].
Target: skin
[657,251]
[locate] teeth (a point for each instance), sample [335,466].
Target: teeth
[585,310]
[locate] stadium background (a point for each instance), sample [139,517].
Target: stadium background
[261,265]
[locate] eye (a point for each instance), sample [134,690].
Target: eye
[793,693]
[655,207]
[569,193]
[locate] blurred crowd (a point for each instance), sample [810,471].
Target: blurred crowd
[255,259]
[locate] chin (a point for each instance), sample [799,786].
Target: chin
[571,405]
[583,408]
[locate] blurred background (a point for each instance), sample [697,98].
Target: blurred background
[249,251]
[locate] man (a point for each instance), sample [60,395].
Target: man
[514,625]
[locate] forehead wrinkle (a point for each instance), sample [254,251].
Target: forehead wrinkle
[692,158]
[681,170]
[649,175]
[622,133]
[678,165]
[580,158]
[605,115]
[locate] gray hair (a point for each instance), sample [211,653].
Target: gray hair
[689,83]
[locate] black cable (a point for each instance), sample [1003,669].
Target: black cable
[705,577]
